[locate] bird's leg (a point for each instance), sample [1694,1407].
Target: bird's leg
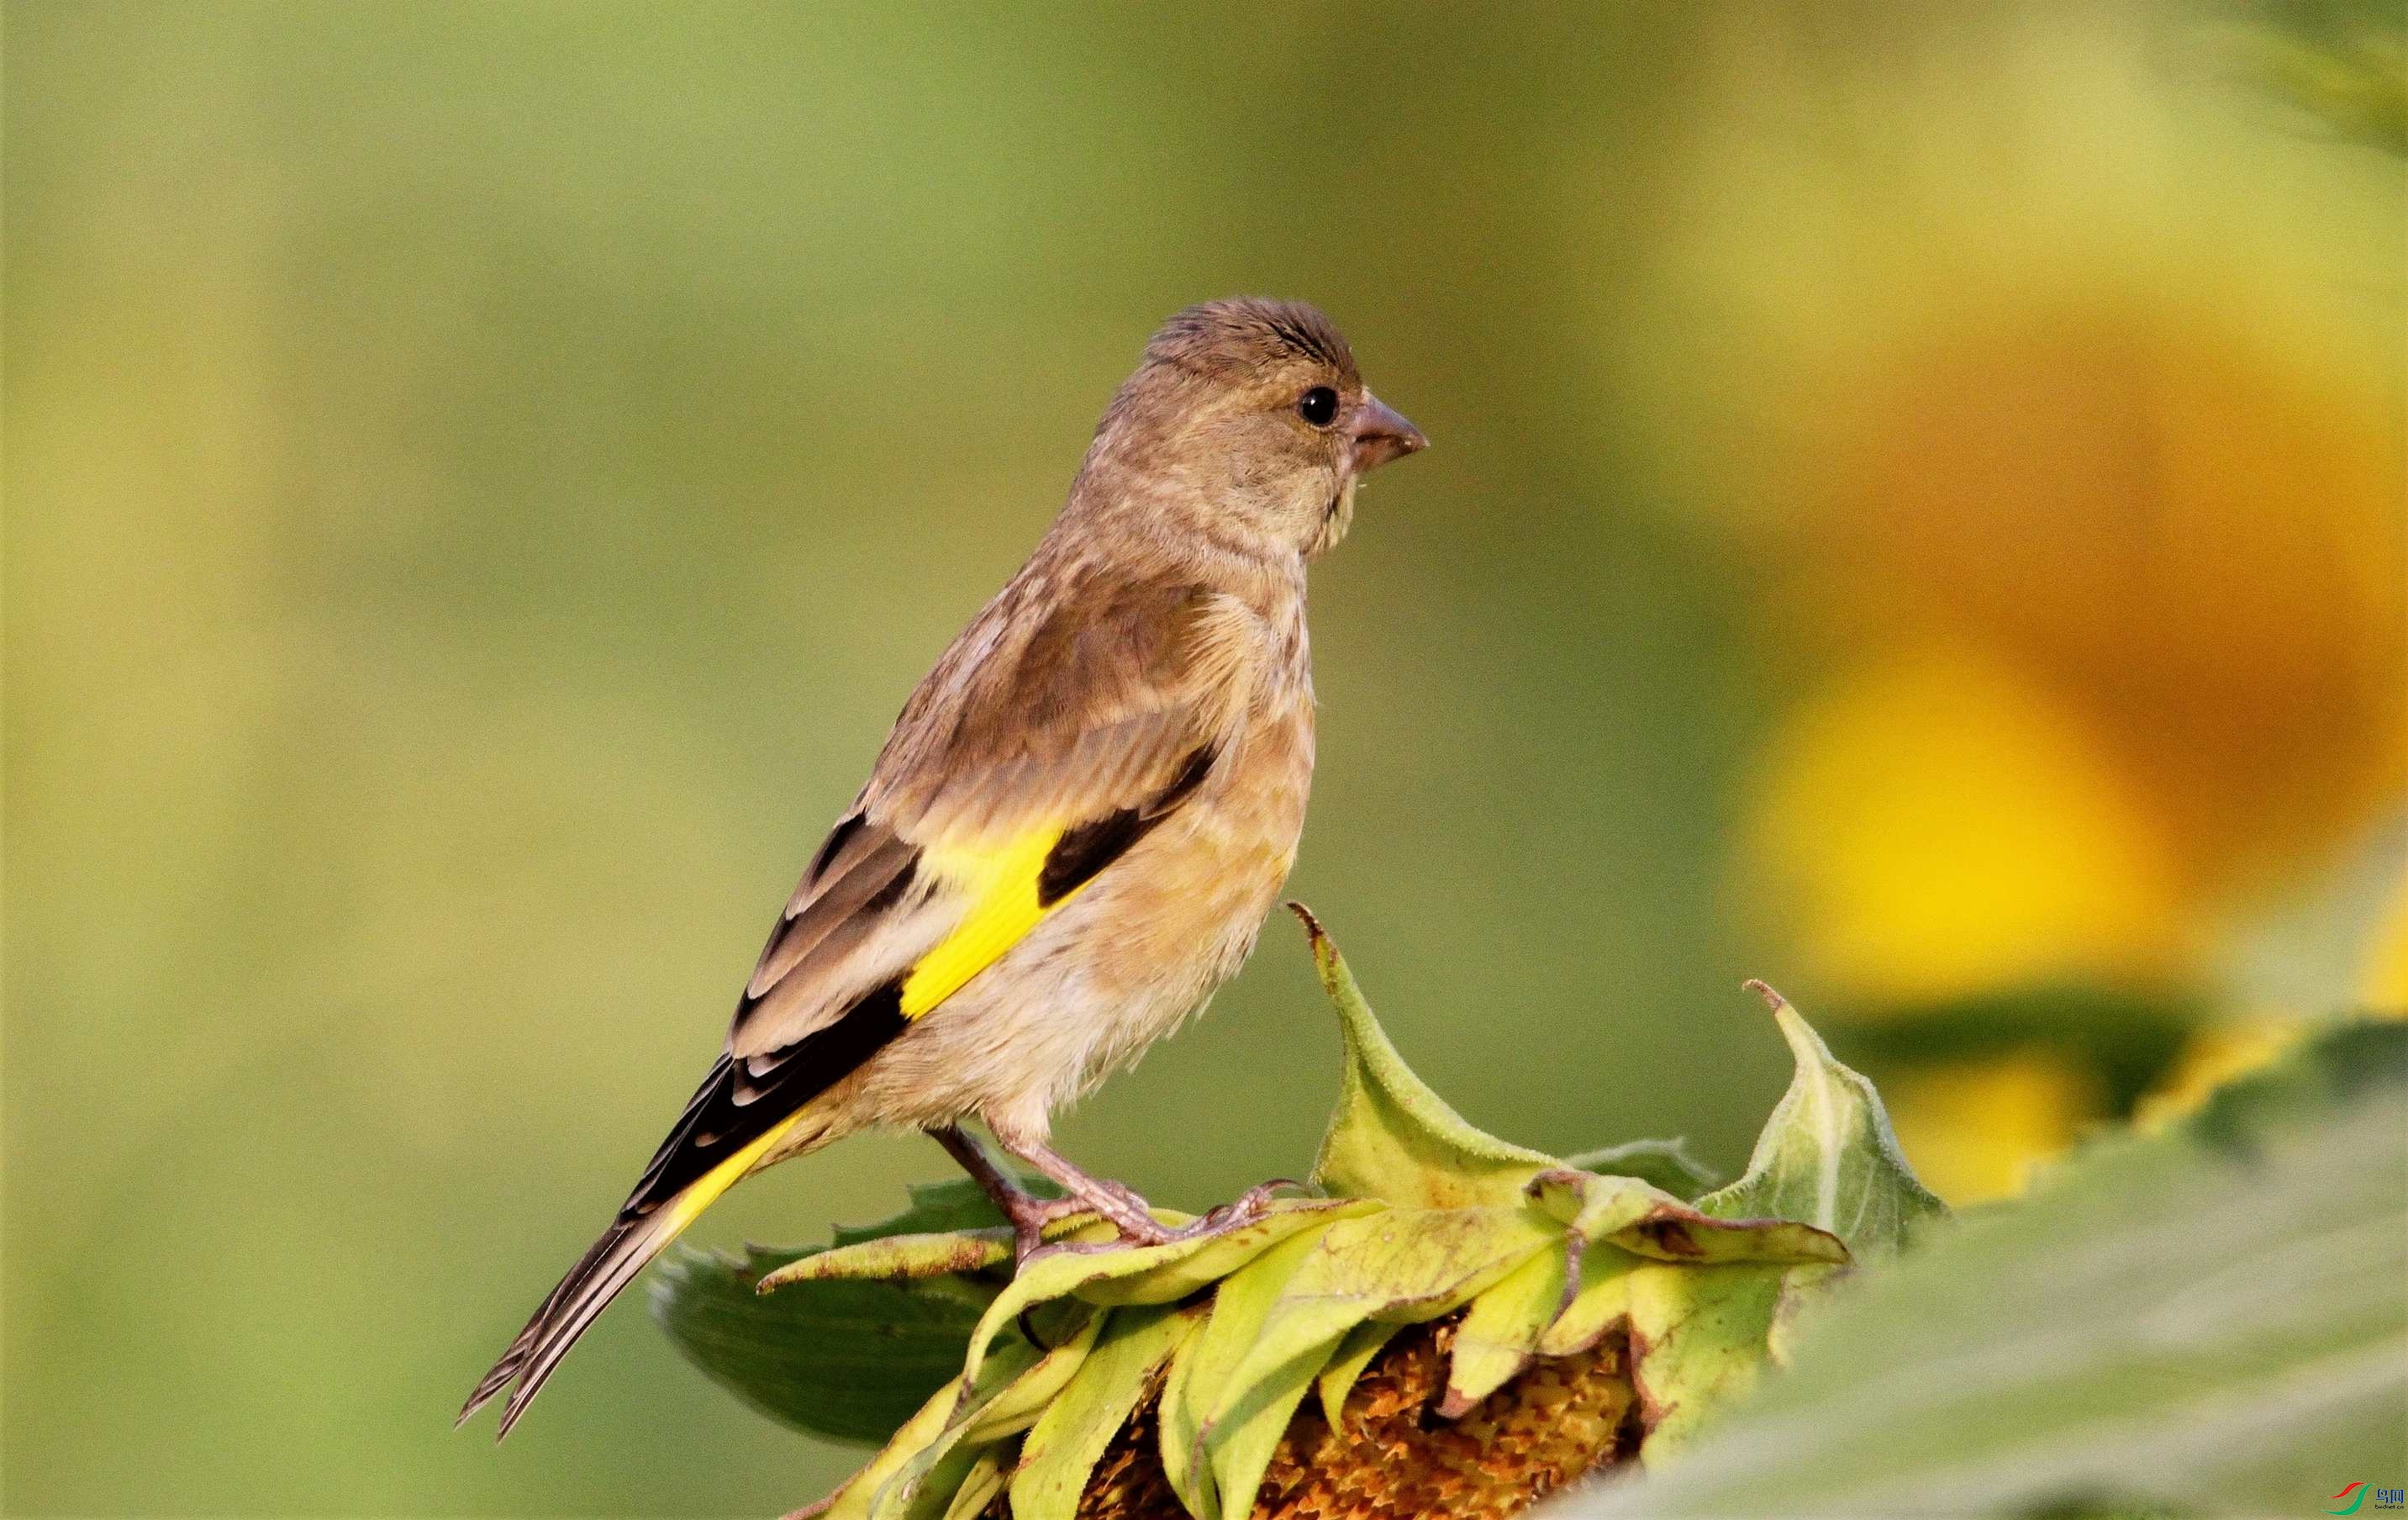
[1027,1214]
[1129,1213]
[1132,1214]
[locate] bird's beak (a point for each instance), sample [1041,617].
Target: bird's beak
[1381,432]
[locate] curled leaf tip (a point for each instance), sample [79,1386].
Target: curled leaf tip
[1772,1000]
[1827,1157]
[1313,928]
[1553,1177]
[1325,959]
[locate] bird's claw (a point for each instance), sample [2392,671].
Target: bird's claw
[1030,1217]
[1243,1210]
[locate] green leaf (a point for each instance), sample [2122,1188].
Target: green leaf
[1346,1364]
[1275,1327]
[978,1487]
[1826,1156]
[1177,1422]
[1006,1397]
[1697,1341]
[1599,1207]
[930,1489]
[1706,1299]
[1069,1332]
[1395,1263]
[864,1332]
[1204,1365]
[950,1226]
[916,1473]
[1149,1274]
[1662,1163]
[899,1257]
[850,1360]
[1392,1137]
[1398,1265]
[2211,1318]
[1500,1333]
[2343,66]
[1246,1429]
[847,1360]
[1405,1266]
[1182,1273]
[956,1203]
[916,1436]
[1072,1435]
[1648,1223]
[1602,1297]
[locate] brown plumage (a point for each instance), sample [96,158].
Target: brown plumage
[1077,825]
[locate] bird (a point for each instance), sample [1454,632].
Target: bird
[1075,830]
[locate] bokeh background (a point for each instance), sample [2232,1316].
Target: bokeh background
[1916,515]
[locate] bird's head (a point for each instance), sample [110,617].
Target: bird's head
[1246,424]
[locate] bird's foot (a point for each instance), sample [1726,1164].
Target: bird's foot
[1031,1216]
[1117,1204]
[1244,1209]
[1240,1212]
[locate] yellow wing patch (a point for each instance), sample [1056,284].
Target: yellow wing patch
[1001,885]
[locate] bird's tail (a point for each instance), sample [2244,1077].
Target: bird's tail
[613,1262]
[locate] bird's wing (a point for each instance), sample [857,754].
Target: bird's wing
[1060,728]
[1063,726]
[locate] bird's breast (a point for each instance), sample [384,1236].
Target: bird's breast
[1186,910]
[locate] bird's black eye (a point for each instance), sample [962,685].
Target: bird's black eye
[1318,405]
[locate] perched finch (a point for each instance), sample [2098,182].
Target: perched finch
[1077,827]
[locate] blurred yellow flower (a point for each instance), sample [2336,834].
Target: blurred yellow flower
[2215,1055]
[1937,825]
[2061,398]
[2033,1102]
[2384,983]
[2195,547]
[2119,603]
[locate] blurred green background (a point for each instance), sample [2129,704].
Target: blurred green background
[1916,515]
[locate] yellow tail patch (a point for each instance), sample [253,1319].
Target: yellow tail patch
[705,1190]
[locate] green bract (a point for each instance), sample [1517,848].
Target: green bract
[1223,1338]
[2200,1321]
[1828,1156]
